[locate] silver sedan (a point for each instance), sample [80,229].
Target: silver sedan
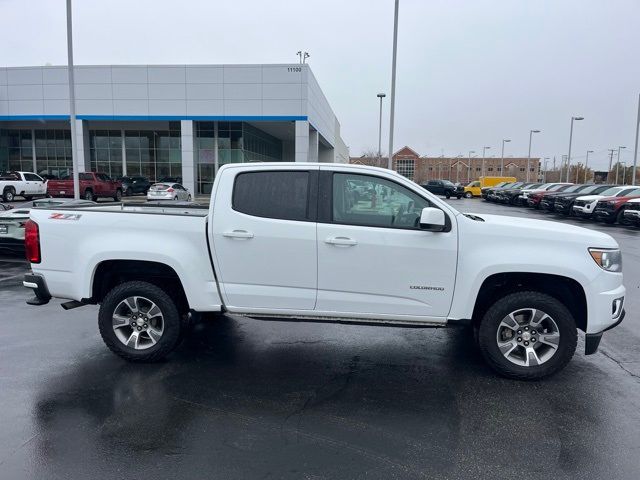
[168,191]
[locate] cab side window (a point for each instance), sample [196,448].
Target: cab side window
[375,202]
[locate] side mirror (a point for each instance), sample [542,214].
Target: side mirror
[432,219]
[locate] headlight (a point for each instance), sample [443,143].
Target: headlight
[608,259]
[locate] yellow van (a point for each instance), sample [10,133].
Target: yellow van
[474,189]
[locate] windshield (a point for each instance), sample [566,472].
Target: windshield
[590,189]
[611,192]
[474,184]
[630,193]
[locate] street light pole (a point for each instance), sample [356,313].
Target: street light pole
[504,140]
[469,166]
[586,163]
[635,151]
[484,149]
[618,162]
[380,96]
[72,104]
[393,83]
[531,132]
[570,140]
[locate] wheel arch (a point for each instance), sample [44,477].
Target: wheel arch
[566,290]
[110,273]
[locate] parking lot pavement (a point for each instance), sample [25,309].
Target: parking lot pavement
[247,399]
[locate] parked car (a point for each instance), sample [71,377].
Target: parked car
[511,195]
[548,201]
[632,212]
[445,188]
[12,221]
[584,206]
[564,201]
[134,185]
[535,198]
[491,193]
[23,184]
[610,209]
[525,192]
[484,191]
[284,241]
[92,186]
[168,191]
[474,189]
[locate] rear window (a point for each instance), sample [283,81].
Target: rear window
[281,195]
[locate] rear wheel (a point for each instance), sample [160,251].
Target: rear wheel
[447,195]
[468,194]
[9,194]
[527,335]
[88,195]
[139,322]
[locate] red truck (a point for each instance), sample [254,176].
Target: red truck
[92,186]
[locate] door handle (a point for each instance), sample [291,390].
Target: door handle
[342,241]
[238,234]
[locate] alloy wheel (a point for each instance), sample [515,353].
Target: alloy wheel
[138,322]
[528,337]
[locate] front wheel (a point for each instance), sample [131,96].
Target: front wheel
[468,195]
[527,335]
[139,322]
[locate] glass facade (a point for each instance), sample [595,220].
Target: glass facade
[53,150]
[238,142]
[151,153]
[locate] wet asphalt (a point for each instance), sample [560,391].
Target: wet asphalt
[254,399]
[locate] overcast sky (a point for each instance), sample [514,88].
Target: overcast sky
[470,73]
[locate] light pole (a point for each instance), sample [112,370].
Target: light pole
[72,104]
[393,83]
[570,140]
[469,166]
[531,132]
[586,163]
[484,149]
[505,140]
[618,163]
[635,151]
[380,96]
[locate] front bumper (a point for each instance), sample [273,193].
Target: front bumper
[39,286]
[563,208]
[592,340]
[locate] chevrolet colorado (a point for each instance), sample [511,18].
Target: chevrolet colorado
[294,242]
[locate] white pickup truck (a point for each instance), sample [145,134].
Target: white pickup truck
[305,241]
[23,184]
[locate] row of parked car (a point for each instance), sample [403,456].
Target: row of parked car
[608,203]
[93,185]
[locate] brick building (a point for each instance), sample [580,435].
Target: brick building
[409,163]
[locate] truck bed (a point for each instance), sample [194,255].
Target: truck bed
[175,235]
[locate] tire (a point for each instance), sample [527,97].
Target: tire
[468,195]
[620,220]
[9,194]
[118,196]
[147,351]
[447,195]
[128,192]
[458,197]
[551,360]
[88,195]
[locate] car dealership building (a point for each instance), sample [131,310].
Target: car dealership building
[165,120]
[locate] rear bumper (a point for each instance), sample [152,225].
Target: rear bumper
[39,286]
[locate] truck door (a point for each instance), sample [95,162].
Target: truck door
[373,258]
[264,238]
